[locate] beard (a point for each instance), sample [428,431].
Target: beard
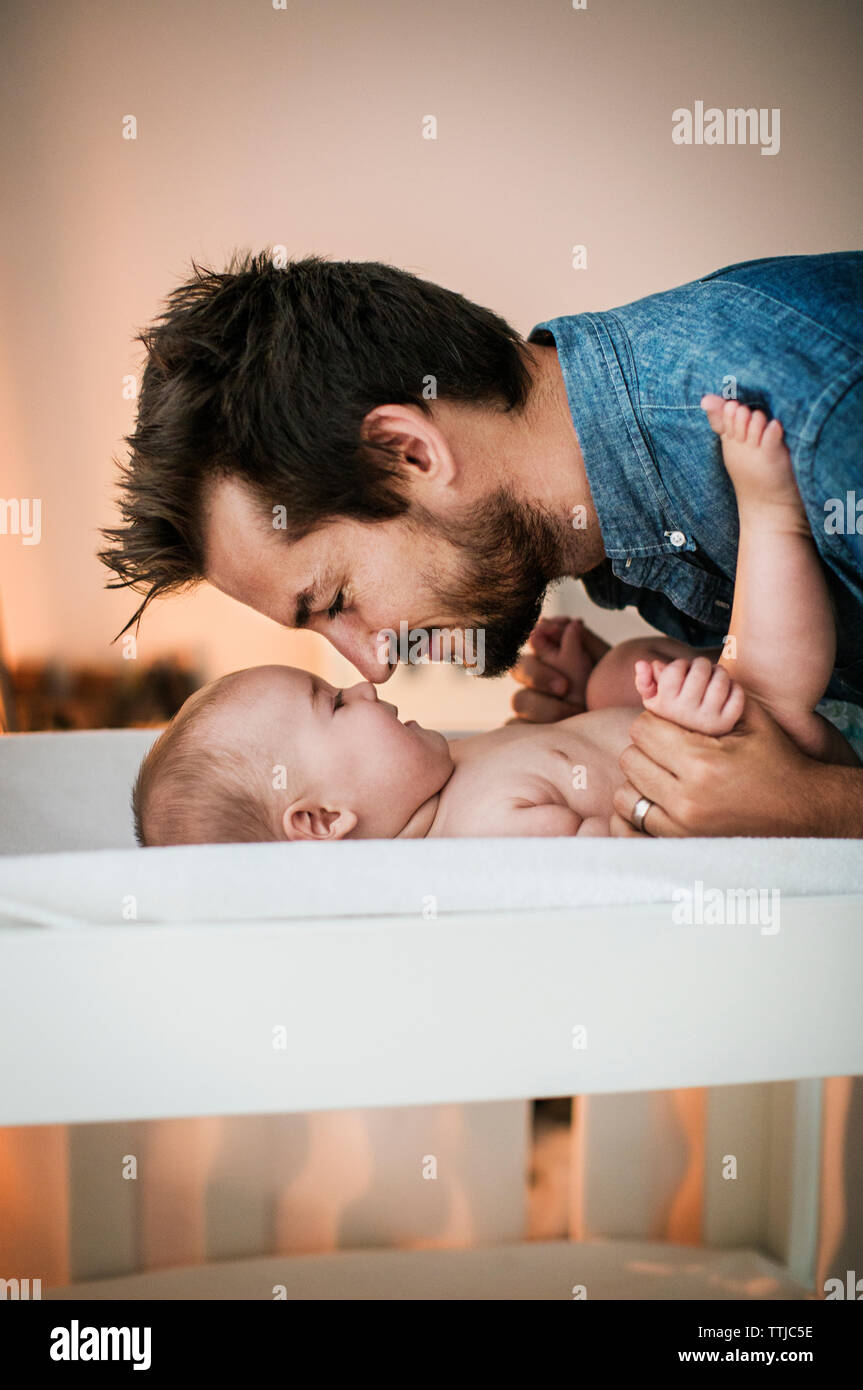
[506,553]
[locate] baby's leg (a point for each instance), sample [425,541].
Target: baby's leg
[781,641]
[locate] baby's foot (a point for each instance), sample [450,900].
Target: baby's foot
[695,694]
[756,457]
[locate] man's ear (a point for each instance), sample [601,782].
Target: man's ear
[306,821]
[425,454]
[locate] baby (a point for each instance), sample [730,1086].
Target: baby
[274,753]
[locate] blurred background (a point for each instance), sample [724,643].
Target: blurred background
[302,126]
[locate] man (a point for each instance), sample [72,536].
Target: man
[344,447]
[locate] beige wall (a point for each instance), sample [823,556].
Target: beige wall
[303,126]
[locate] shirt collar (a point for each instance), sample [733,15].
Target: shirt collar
[636,515]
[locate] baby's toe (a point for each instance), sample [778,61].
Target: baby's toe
[741,423]
[713,409]
[729,415]
[773,435]
[756,427]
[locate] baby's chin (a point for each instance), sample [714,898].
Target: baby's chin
[435,746]
[426,756]
[427,735]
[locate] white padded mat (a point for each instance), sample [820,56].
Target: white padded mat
[69,790]
[235,883]
[70,793]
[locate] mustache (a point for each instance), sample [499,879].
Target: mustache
[510,552]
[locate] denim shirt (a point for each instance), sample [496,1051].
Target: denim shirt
[784,334]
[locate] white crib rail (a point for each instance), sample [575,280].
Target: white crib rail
[133,1021]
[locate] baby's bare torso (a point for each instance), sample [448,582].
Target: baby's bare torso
[502,775]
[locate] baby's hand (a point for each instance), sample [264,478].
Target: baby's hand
[695,694]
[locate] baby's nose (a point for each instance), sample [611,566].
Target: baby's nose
[365,690]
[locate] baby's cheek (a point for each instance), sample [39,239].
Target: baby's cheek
[423,767]
[398,766]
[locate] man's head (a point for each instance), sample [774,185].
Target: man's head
[273,753]
[326,443]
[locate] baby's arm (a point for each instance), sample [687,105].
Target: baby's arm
[517,816]
[601,677]
[611,684]
[556,820]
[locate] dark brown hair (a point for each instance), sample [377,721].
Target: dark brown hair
[266,374]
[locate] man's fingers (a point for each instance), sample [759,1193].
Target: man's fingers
[755,718]
[622,830]
[595,646]
[551,621]
[546,636]
[663,741]
[656,822]
[529,705]
[554,671]
[566,633]
[571,647]
[539,676]
[652,781]
[580,650]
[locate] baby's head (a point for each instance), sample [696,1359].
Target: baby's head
[274,753]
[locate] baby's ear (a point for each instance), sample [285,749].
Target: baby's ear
[302,821]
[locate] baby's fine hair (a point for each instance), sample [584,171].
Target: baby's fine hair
[191,791]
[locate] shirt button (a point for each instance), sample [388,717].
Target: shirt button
[677,538]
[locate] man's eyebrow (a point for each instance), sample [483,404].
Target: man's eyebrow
[304,608]
[306,600]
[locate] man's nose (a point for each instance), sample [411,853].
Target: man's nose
[361,650]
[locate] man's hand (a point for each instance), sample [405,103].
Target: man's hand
[753,781]
[555,671]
